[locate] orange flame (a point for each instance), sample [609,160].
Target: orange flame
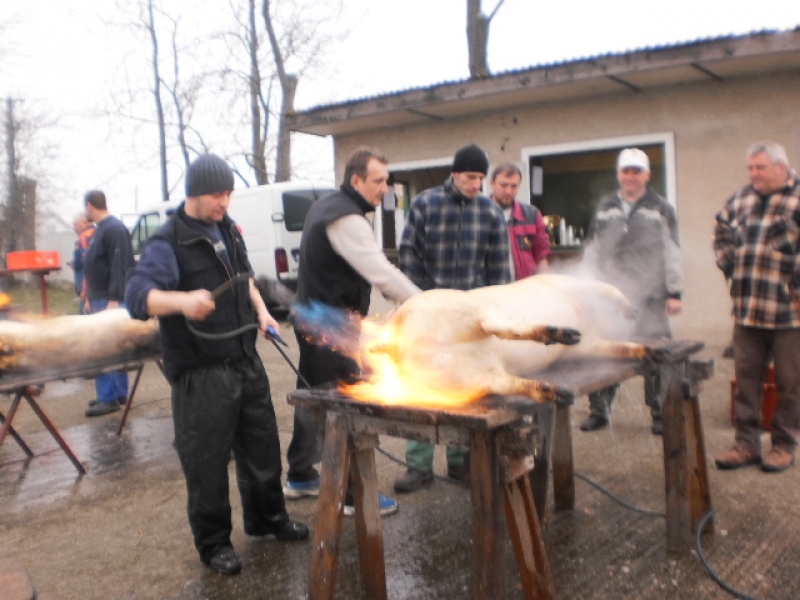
[5,300]
[391,382]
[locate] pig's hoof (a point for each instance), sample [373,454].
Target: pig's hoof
[563,335]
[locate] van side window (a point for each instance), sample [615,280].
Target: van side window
[146,226]
[296,204]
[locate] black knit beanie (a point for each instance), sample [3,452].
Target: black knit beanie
[471,159]
[208,174]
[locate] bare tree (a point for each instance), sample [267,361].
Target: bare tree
[150,25]
[478,37]
[283,159]
[258,104]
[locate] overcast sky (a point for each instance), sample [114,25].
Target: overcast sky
[63,56]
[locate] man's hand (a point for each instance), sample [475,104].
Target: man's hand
[112,304]
[197,304]
[673,307]
[266,320]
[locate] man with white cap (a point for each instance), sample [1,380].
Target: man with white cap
[633,244]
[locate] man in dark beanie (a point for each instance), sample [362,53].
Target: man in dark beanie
[195,276]
[455,237]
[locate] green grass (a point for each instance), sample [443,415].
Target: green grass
[61,298]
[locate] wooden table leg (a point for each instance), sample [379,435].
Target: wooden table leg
[4,430]
[540,475]
[526,537]
[487,517]
[699,489]
[17,437]
[688,497]
[332,490]
[54,432]
[364,477]
[563,463]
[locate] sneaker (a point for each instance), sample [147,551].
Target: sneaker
[102,408]
[737,457]
[657,428]
[594,422]
[224,561]
[412,480]
[386,506]
[288,531]
[778,459]
[294,490]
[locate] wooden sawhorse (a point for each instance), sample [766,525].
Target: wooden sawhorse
[501,458]
[29,387]
[688,497]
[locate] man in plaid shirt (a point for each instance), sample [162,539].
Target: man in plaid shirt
[455,237]
[757,247]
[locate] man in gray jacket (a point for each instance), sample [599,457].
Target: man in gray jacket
[633,244]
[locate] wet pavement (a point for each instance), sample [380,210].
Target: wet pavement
[120,532]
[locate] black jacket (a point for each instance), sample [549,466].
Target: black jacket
[201,268]
[323,275]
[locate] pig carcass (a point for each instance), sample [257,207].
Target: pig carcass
[60,345]
[492,338]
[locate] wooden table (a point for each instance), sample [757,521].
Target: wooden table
[501,457]
[500,433]
[687,492]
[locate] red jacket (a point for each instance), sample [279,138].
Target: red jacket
[530,242]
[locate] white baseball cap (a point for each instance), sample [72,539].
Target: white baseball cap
[633,157]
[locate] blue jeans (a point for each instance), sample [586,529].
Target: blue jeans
[113,385]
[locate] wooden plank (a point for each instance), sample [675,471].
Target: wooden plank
[676,463]
[563,462]
[699,489]
[474,416]
[434,434]
[364,478]
[540,476]
[487,518]
[526,538]
[332,490]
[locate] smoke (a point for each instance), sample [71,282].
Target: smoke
[613,321]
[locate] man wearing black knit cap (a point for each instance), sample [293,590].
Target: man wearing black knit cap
[454,237]
[195,276]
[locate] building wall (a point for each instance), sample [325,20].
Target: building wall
[712,123]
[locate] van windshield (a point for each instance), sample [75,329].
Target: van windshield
[296,204]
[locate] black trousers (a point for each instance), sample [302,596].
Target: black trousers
[216,410]
[318,365]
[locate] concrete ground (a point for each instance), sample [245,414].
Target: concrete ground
[120,532]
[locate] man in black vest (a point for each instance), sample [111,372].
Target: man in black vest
[195,276]
[340,261]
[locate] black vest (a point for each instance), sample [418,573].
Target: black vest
[323,275]
[201,268]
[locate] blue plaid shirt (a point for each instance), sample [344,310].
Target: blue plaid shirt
[451,241]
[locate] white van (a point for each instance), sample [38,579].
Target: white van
[270,218]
